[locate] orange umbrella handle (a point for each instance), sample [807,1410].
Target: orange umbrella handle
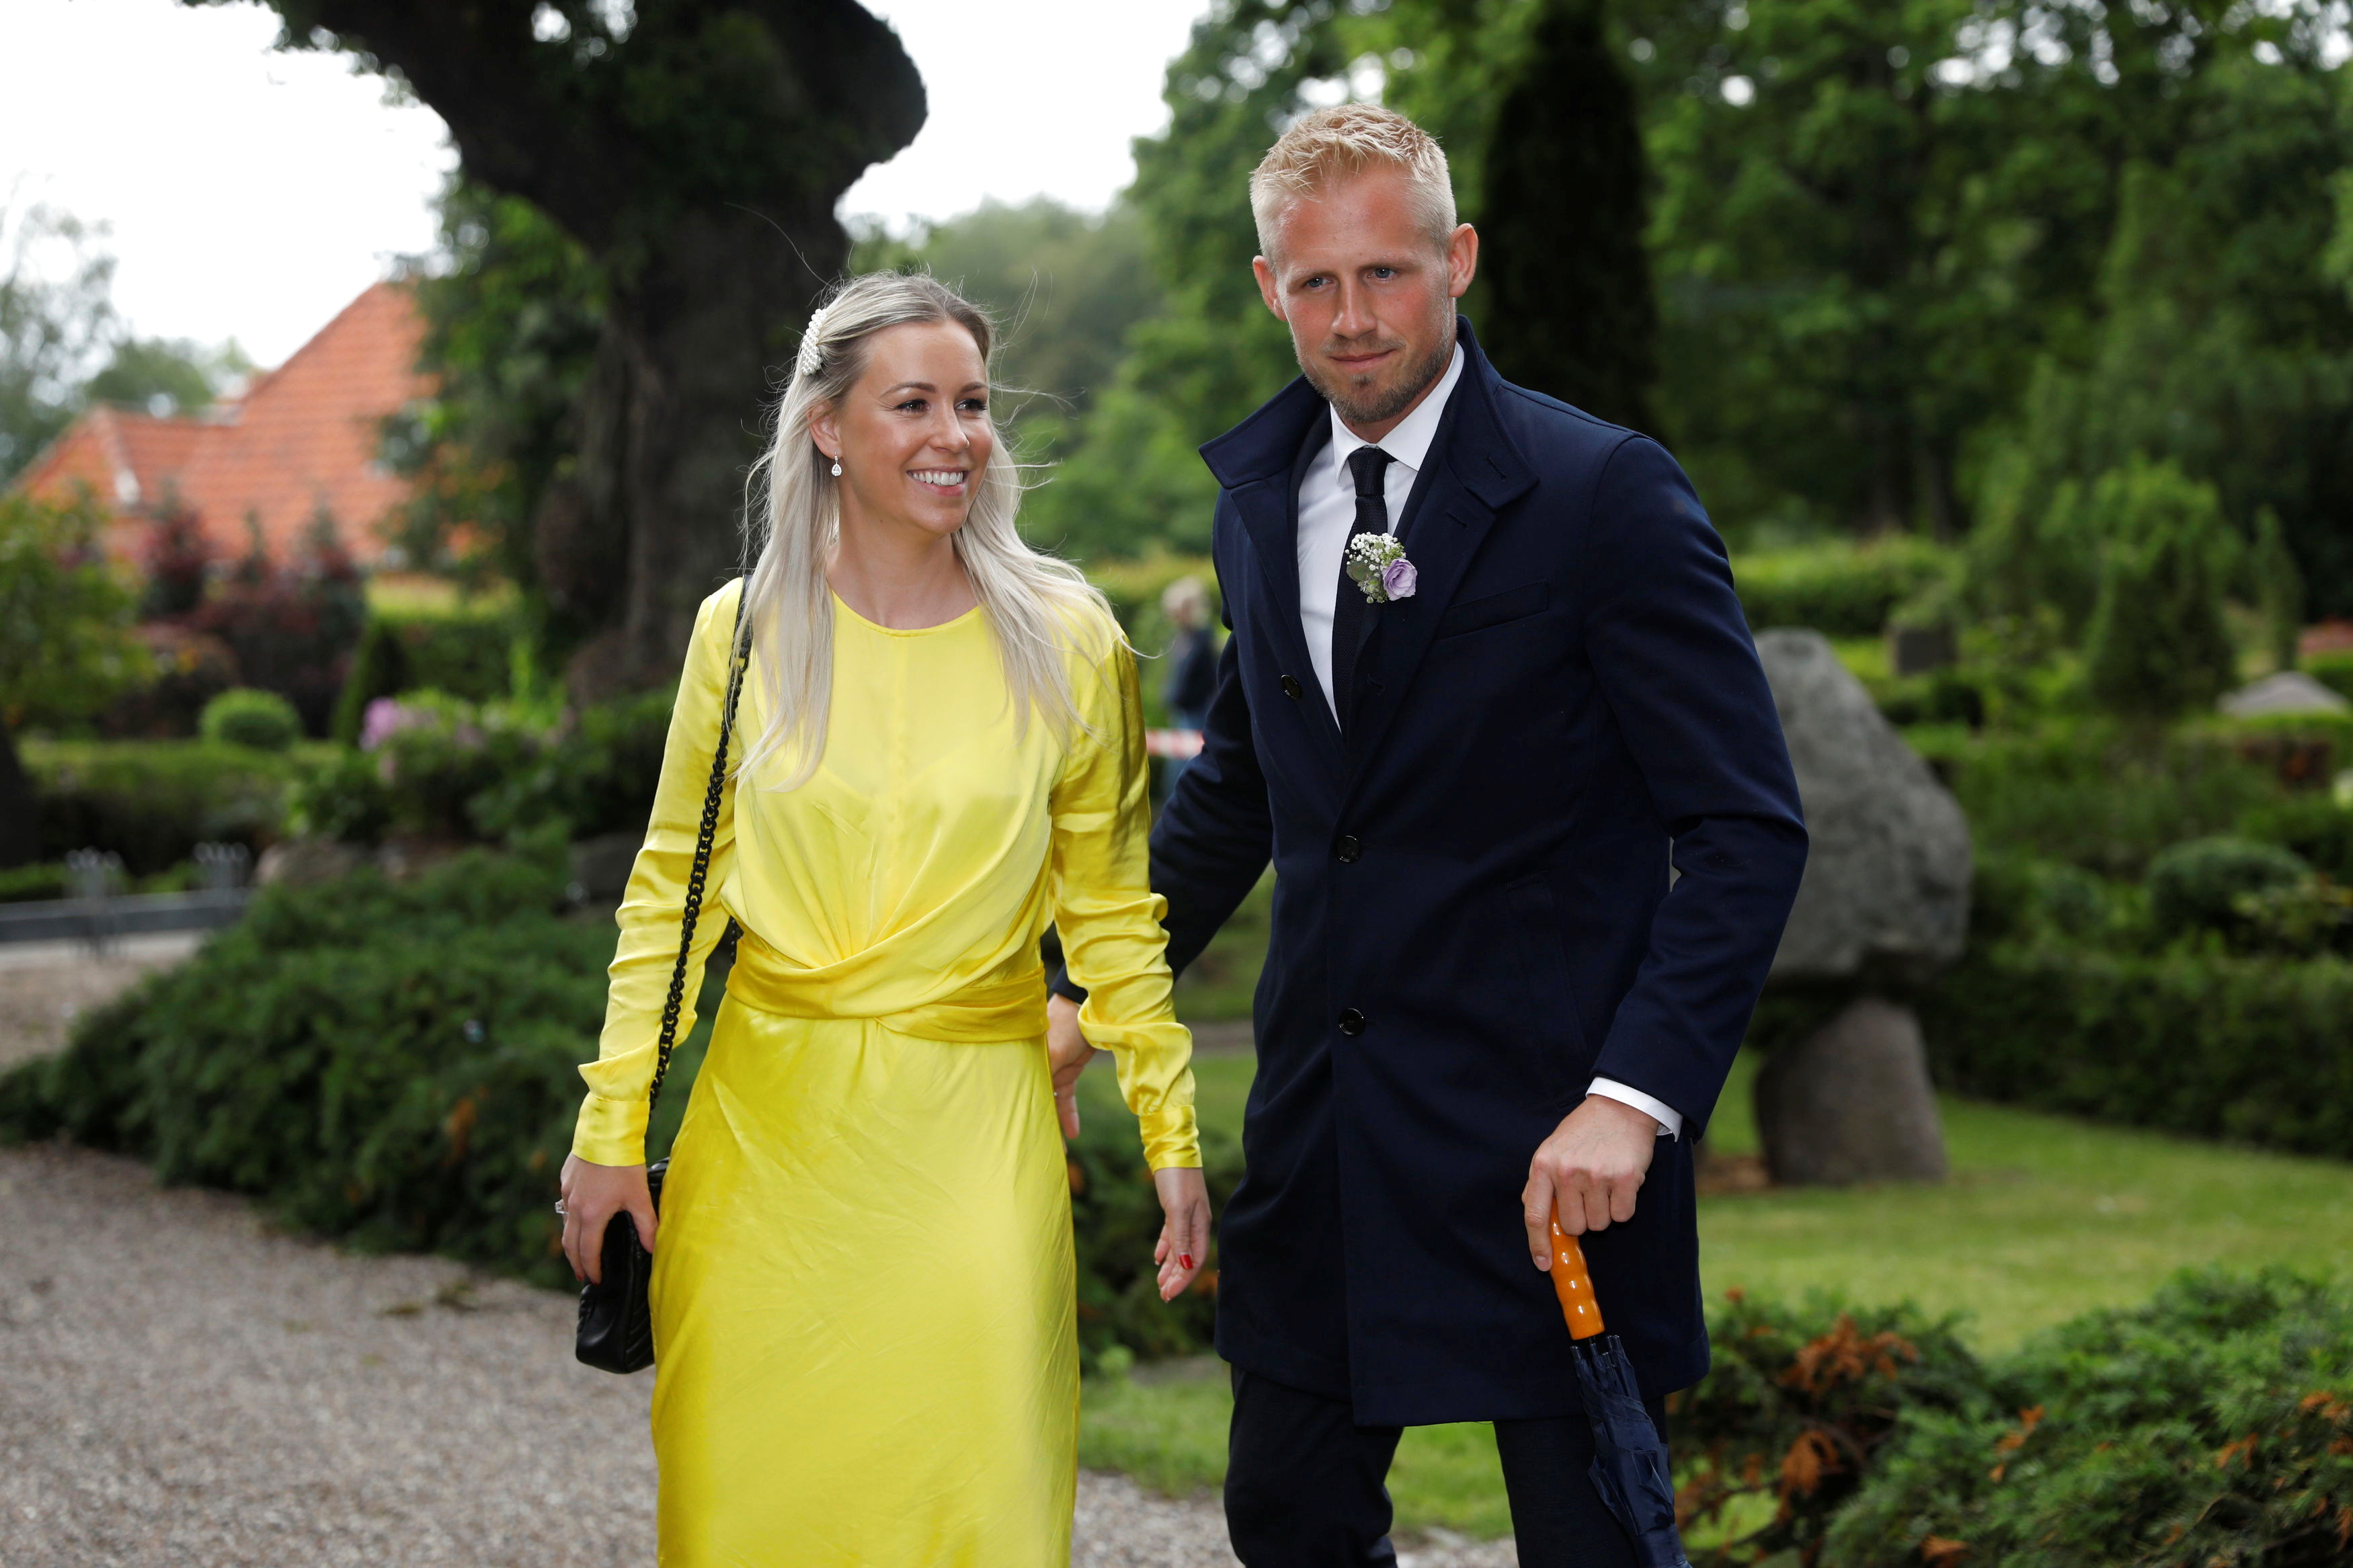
[1574,1285]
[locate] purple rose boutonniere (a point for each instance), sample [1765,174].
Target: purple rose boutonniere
[1376,564]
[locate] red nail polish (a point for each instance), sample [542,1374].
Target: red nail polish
[1185,1259]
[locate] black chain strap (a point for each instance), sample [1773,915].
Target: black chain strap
[738,655]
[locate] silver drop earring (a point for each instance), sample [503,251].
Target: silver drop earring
[836,468]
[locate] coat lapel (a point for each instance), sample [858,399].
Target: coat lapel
[1259,462]
[1474,472]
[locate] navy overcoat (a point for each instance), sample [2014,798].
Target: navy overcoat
[1474,914]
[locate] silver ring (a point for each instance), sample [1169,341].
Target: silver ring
[559,1205]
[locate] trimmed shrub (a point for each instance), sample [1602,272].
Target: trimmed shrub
[152,802]
[2158,644]
[467,655]
[2313,824]
[2190,1040]
[2212,1426]
[242,716]
[2095,796]
[2334,670]
[2196,886]
[1839,590]
[1800,1406]
[393,1064]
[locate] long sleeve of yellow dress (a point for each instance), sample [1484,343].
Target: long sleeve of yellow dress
[1109,917]
[611,1129]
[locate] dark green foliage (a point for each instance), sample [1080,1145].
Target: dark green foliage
[2196,885]
[2190,1039]
[1838,590]
[598,775]
[2095,796]
[1804,1405]
[467,655]
[493,772]
[1565,213]
[2157,644]
[54,319]
[244,717]
[2334,670]
[152,802]
[166,376]
[2212,1426]
[2313,824]
[37,880]
[389,1063]
[2279,588]
[511,323]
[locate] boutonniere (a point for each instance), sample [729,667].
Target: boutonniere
[1377,564]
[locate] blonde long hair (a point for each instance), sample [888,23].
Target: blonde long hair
[1035,605]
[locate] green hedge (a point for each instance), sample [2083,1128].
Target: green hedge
[392,1064]
[1839,590]
[2212,1426]
[152,802]
[467,653]
[396,1064]
[2188,1039]
[2098,794]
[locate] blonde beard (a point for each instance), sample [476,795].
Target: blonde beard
[1391,402]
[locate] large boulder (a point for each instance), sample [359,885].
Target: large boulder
[1852,1102]
[1886,891]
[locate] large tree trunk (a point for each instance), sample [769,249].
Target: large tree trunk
[20,818]
[672,424]
[697,151]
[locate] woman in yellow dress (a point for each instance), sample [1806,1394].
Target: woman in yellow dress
[863,1292]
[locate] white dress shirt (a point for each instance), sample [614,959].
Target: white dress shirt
[1327,514]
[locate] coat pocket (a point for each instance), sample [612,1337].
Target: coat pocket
[1495,609]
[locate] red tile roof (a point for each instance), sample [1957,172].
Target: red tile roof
[302,436]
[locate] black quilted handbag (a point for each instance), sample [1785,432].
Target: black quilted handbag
[617,1327]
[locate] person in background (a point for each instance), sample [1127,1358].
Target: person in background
[1192,678]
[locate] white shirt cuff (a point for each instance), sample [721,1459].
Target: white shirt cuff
[1670,1119]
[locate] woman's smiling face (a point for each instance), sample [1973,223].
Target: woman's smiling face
[913,434]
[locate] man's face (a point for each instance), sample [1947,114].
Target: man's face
[1368,295]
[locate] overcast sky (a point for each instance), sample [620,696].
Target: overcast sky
[251,194]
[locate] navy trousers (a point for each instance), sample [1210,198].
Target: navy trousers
[1305,1485]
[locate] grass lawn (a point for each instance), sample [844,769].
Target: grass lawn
[2044,1217]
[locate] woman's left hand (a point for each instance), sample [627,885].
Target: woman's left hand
[1185,1233]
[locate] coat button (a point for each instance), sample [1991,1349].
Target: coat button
[1350,849]
[1351,1021]
[1291,687]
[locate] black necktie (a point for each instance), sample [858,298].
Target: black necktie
[1350,612]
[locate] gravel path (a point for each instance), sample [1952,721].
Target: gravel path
[186,1387]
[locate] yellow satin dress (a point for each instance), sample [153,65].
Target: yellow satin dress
[863,1292]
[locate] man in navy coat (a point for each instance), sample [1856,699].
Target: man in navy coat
[1534,836]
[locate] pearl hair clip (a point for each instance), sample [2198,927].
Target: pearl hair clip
[812,354]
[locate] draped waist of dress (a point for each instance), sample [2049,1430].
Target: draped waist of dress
[1007,1002]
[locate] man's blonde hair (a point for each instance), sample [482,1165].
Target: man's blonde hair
[1338,144]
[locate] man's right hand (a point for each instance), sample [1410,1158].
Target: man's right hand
[1069,1052]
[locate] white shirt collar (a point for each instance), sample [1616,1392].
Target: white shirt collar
[1408,444]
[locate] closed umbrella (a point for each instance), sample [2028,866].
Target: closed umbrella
[1630,1457]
